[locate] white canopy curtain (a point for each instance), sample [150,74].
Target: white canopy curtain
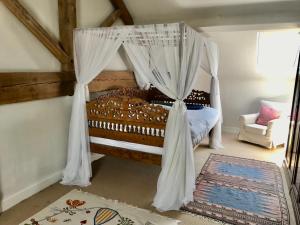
[93,50]
[171,67]
[212,52]
[168,56]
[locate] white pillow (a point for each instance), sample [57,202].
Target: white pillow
[282,107]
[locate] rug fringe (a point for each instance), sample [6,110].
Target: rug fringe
[205,217]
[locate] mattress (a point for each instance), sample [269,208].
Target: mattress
[201,122]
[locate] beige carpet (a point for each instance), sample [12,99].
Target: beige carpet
[135,183]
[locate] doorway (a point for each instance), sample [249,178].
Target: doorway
[292,157]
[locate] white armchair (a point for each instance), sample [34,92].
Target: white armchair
[270,136]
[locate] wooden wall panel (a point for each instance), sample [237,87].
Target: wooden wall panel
[112,80]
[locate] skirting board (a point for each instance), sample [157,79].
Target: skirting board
[231,130]
[27,192]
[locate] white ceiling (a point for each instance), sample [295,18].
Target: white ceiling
[201,13]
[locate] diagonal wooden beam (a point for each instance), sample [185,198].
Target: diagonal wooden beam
[67,23]
[109,21]
[125,16]
[36,29]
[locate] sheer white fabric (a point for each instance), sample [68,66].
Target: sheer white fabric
[212,52]
[167,56]
[171,68]
[93,50]
[140,80]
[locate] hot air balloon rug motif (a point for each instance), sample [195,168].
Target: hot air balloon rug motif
[104,215]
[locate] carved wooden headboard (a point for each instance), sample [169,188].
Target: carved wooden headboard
[195,98]
[118,80]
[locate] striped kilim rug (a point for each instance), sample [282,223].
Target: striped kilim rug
[240,191]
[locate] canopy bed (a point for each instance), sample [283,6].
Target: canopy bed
[166,56]
[130,123]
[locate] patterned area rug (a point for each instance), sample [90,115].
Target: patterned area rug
[79,208]
[240,191]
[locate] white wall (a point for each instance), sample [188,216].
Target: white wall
[242,86]
[33,135]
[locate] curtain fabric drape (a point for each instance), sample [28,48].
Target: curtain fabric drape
[172,67]
[212,52]
[169,57]
[140,80]
[93,50]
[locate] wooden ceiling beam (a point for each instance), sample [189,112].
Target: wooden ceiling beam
[125,16]
[8,79]
[36,29]
[109,21]
[21,87]
[67,23]
[33,92]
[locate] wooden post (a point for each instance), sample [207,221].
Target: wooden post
[67,23]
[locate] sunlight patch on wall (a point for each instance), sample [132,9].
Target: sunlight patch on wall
[277,53]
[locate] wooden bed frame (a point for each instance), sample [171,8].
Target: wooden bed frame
[128,114]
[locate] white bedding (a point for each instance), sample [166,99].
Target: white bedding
[201,122]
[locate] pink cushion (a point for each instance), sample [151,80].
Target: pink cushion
[267,114]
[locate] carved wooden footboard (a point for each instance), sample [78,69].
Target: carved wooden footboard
[120,115]
[127,115]
[128,119]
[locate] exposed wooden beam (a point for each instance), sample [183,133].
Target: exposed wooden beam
[109,21]
[125,16]
[20,87]
[67,22]
[36,29]
[27,78]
